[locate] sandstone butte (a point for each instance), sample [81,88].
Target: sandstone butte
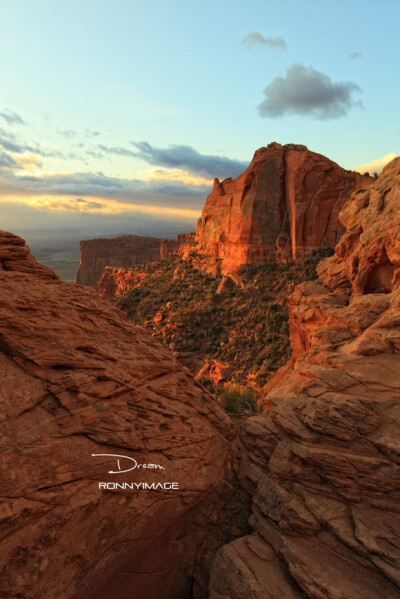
[285,205]
[322,462]
[78,379]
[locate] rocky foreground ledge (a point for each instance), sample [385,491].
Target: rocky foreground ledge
[323,460]
[78,379]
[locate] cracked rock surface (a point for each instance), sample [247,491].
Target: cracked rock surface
[76,379]
[323,459]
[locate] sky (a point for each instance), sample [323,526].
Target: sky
[117,114]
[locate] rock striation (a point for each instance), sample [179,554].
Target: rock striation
[117,281]
[323,459]
[180,246]
[78,379]
[122,251]
[285,205]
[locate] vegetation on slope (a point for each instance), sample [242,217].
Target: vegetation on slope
[243,326]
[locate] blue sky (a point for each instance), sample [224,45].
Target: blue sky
[104,89]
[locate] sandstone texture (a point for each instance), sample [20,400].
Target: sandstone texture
[78,379]
[323,459]
[180,246]
[117,281]
[285,205]
[122,251]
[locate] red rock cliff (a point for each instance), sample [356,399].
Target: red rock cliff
[125,250]
[323,459]
[178,247]
[284,205]
[78,379]
[117,281]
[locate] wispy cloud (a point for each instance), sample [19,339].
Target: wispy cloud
[305,91]
[117,150]
[68,133]
[99,206]
[91,133]
[10,142]
[12,118]
[255,38]
[162,174]
[7,161]
[190,160]
[19,179]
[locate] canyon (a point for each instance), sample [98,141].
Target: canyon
[283,211]
[300,501]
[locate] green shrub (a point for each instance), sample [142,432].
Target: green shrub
[237,400]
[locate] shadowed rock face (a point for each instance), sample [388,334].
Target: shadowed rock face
[77,379]
[285,205]
[117,281]
[323,460]
[125,250]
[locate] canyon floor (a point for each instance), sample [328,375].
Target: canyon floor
[228,330]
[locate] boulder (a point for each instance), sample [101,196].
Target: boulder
[85,395]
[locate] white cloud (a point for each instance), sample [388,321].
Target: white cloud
[376,166]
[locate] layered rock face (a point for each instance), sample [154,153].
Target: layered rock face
[323,460]
[117,281]
[285,205]
[114,282]
[78,379]
[122,251]
[178,247]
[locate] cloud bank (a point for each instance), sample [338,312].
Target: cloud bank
[255,38]
[187,158]
[305,91]
[12,118]
[376,166]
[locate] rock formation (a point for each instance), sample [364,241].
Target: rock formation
[323,459]
[117,281]
[122,251]
[78,379]
[179,247]
[284,205]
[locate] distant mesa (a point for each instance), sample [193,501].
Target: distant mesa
[125,251]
